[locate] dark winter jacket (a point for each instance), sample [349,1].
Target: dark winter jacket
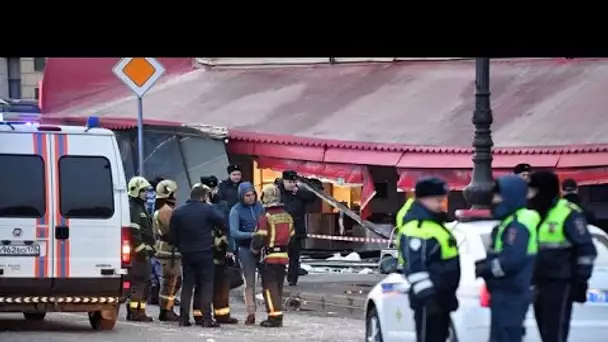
[295,205]
[192,225]
[228,191]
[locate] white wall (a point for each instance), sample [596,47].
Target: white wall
[3,78]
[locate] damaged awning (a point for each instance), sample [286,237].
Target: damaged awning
[341,173]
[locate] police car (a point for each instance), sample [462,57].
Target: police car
[389,317]
[63,218]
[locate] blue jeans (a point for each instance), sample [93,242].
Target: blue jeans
[249,264]
[157,272]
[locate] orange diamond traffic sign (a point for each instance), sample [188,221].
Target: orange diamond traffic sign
[139,73]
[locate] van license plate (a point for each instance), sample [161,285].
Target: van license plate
[21,250]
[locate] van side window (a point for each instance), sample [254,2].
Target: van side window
[23,186]
[86,189]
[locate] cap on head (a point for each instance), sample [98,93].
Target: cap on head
[290,175]
[431,186]
[521,168]
[271,196]
[233,167]
[569,185]
[166,188]
[210,181]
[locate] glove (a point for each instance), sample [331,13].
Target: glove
[579,292]
[432,306]
[481,268]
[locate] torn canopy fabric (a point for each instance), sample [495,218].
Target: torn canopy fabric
[182,154]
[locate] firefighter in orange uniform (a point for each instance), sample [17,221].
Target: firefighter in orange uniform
[270,241]
[168,256]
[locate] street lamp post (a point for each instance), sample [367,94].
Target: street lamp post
[479,192]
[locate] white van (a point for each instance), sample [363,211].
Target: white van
[64,245]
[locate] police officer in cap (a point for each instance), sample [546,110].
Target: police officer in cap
[432,264]
[565,260]
[509,266]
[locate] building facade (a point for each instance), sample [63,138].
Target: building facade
[20,77]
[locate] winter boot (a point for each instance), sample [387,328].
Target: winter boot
[140,316]
[128,311]
[226,319]
[210,323]
[272,322]
[168,316]
[250,319]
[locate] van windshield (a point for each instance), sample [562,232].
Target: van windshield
[23,186]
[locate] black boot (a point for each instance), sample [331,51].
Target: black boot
[272,322]
[210,323]
[226,319]
[139,315]
[184,322]
[168,316]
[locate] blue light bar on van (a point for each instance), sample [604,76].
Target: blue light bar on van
[93,122]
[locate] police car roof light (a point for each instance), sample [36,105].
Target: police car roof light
[93,122]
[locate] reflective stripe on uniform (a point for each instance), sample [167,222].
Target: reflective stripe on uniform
[150,248]
[585,260]
[277,256]
[421,286]
[551,233]
[416,277]
[222,312]
[140,248]
[497,269]
[134,225]
[137,305]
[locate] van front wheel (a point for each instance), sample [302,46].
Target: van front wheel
[34,316]
[103,320]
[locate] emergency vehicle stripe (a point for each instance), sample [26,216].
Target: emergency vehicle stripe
[62,264]
[41,262]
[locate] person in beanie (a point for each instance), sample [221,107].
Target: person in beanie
[275,230]
[523,170]
[432,264]
[565,261]
[295,201]
[228,189]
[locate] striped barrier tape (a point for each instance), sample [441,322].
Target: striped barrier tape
[347,238]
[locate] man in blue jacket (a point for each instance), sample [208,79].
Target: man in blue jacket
[509,267]
[243,221]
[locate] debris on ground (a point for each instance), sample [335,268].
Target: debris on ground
[353,256]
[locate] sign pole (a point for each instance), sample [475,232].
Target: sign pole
[139,74]
[140,134]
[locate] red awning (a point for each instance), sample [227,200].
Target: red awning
[459,179]
[356,174]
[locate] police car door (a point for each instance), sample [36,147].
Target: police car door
[88,216]
[25,197]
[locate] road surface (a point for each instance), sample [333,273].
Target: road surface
[67,327]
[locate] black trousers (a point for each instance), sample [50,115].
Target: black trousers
[198,275]
[294,250]
[553,311]
[431,327]
[221,292]
[273,277]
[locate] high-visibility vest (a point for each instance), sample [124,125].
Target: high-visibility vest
[530,219]
[427,230]
[399,225]
[551,233]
